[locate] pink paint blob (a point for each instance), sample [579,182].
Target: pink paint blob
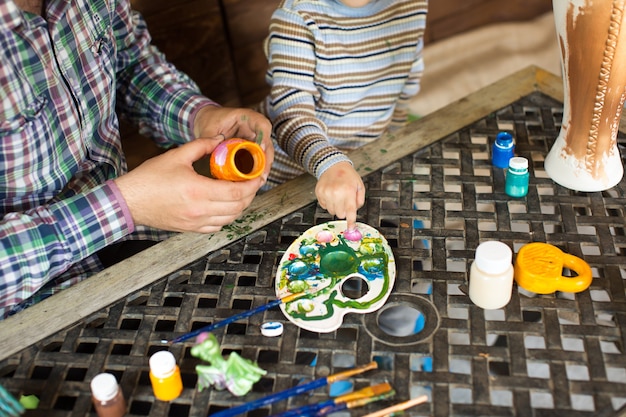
[221,152]
[324,236]
[202,337]
[353,235]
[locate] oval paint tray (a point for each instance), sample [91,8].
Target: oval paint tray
[336,273]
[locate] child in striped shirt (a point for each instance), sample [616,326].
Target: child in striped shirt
[341,73]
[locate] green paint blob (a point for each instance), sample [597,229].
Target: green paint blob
[29,402]
[339,260]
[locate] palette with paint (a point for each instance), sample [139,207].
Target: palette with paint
[337,272]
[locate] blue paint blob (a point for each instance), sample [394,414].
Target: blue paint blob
[298,268]
[418,224]
[420,322]
[385,363]
[429,290]
[340,387]
[427,364]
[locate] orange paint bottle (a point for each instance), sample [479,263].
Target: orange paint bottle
[167,383]
[237,160]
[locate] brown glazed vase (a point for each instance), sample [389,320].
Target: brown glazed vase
[592,38]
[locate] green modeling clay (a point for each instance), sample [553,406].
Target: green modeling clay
[237,374]
[30,402]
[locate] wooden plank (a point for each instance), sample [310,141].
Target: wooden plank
[78,302]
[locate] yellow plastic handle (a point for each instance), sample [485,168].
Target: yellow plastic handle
[539,266]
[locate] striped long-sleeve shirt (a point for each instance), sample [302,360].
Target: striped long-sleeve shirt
[60,81]
[339,77]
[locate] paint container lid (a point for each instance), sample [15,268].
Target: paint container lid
[104,387]
[493,257]
[272,329]
[162,364]
[518,163]
[504,140]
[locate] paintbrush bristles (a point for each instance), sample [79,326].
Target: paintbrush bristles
[350,372]
[399,407]
[366,392]
[364,401]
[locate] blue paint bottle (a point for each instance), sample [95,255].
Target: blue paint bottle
[502,150]
[516,183]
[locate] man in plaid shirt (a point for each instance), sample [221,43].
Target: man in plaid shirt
[68,67]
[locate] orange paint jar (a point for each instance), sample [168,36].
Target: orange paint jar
[237,160]
[167,383]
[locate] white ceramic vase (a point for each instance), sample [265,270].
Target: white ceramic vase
[592,37]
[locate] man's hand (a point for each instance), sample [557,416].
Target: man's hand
[212,121]
[165,192]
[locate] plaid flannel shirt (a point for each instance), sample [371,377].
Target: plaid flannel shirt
[63,81]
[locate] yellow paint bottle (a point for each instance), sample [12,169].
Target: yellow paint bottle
[167,383]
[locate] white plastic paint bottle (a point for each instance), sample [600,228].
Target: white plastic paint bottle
[491,275]
[107,397]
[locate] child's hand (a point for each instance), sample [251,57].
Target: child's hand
[341,191]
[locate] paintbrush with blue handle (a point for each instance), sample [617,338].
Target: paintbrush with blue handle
[236,317]
[290,392]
